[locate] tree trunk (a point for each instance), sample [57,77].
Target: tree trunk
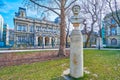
[67,39]
[88,38]
[67,34]
[89,34]
[62,51]
[86,43]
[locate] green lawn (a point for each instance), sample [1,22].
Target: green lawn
[30,52]
[101,65]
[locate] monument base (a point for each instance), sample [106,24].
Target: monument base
[68,77]
[76,54]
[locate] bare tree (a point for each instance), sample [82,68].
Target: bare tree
[92,9]
[59,7]
[115,10]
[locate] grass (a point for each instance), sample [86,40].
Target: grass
[101,64]
[105,64]
[30,52]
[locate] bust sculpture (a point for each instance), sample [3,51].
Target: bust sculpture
[76,9]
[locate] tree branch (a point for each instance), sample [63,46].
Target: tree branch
[57,3]
[70,4]
[117,14]
[109,3]
[45,7]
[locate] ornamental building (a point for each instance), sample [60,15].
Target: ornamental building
[6,34]
[1,27]
[31,32]
[112,31]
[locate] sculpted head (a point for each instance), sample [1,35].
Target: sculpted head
[76,9]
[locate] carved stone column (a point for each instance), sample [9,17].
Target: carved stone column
[50,40]
[43,42]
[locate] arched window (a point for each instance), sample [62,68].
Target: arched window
[40,41]
[114,41]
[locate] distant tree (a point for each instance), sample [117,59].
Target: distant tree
[59,7]
[115,10]
[93,10]
[67,30]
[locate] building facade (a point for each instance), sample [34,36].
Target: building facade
[6,34]
[112,31]
[11,37]
[29,32]
[1,28]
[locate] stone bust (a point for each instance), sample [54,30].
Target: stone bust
[76,9]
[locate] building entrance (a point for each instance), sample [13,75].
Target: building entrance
[46,41]
[40,41]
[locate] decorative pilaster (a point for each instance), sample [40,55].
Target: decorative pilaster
[43,42]
[28,28]
[50,40]
[15,41]
[118,30]
[35,41]
[56,41]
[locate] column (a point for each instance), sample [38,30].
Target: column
[28,40]
[15,41]
[118,41]
[108,31]
[43,42]
[28,28]
[55,41]
[118,30]
[15,37]
[50,40]
[35,41]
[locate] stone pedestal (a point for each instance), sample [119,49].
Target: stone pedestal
[76,54]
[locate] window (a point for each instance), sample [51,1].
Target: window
[38,28]
[114,41]
[31,29]
[21,28]
[31,39]
[21,39]
[112,21]
[113,31]
[18,28]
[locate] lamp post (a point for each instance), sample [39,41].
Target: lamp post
[76,45]
[99,42]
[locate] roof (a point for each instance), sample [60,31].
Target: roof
[20,8]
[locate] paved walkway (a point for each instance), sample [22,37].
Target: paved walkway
[9,51]
[102,48]
[27,50]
